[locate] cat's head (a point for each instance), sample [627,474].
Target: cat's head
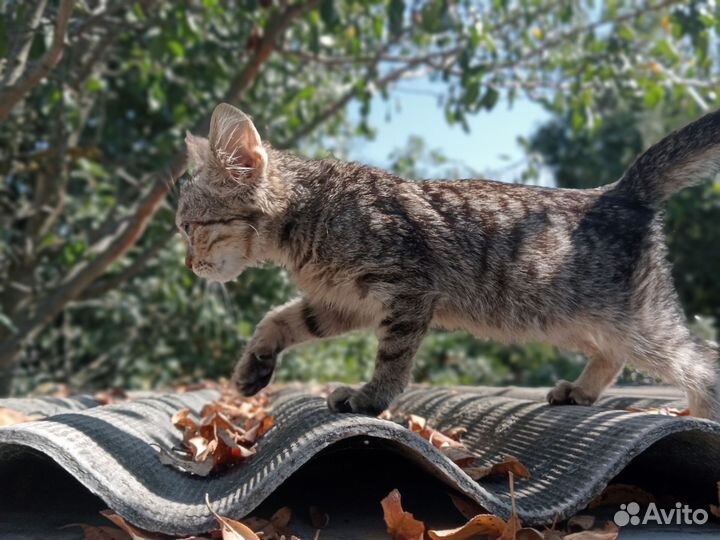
[226,201]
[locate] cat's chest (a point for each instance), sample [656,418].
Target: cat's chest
[337,287]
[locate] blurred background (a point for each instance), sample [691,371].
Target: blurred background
[95,97]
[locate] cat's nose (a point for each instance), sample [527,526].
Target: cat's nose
[188,261]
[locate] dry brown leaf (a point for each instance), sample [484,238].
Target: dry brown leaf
[130,530]
[8,417]
[664,411]
[467,507]
[512,526]
[508,464]
[455,433]
[281,519]
[401,525]
[448,443]
[92,532]
[486,524]
[610,532]
[319,518]
[714,509]
[255,523]
[440,440]
[273,529]
[266,422]
[552,534]
[110,396]
[580,523]
[480,525]
[182,420]
[459,456]
[249,436]
[227,451]
[263,527]
[385,415]
[231,529]
[200,447]
[617,494]
[418,424]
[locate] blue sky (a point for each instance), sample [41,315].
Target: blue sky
[413,110]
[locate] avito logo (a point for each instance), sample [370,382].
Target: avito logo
[629,514]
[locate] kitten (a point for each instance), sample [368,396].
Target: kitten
[583,269]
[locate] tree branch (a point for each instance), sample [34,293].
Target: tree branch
[12,94]
[276,28]
[102,286]
[383,82]
[21,45]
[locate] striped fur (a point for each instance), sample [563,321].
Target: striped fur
[583,269]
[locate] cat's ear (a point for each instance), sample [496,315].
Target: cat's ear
[198,150]
[236,144]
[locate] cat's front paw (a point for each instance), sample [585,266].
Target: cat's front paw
[254,371]
[567,393]
[349,400]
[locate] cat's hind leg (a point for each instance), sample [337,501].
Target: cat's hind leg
[671,353]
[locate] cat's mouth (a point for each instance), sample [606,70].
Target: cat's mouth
[221,272]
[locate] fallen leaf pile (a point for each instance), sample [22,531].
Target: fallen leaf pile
[225,434]
[448,443]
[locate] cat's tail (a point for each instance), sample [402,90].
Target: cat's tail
[683,158]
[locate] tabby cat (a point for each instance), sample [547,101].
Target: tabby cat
[585,270]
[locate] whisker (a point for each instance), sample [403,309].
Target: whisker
[253,228]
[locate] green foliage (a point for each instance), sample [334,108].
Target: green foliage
[163,327]
[415,160]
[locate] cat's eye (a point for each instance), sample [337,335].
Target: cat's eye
[186,227]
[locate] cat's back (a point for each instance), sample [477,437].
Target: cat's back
[514,201]
[435,220]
